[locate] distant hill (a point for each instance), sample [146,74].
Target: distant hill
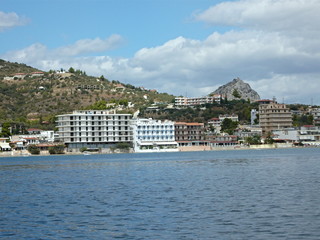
[237,89]
[29,93]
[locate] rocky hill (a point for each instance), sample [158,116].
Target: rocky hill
[27,93]
[237,89]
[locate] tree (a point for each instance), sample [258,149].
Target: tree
[269,139]
[228,126]
[302,120]
[236,94]
[256,139]
[6,130]
[71,70]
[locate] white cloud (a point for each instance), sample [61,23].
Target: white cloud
[274,15]
[37,53]
[90,46]
[301,88]
[272,59]
[9,20]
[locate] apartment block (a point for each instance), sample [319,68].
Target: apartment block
[185,101]
[93,129]
[274,116]
[189,131]
[153,136]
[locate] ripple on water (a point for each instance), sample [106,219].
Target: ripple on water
[203,195]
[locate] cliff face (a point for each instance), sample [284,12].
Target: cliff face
[237,89]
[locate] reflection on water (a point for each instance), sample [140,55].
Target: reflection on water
[267,194]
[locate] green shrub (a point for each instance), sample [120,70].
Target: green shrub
[33,149]
[58,149]
[83,149]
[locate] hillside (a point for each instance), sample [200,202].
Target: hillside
[237,89]
[33,94]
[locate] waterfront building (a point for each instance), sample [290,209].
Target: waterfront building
[190,136]
[307,135]
[189,131]
[222,141]
[94,129]
[274,116]
[153,135]
[310,133]
[244,131]
[4,145]
[194,101]
[286,135]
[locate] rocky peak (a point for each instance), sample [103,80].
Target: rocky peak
[237,89]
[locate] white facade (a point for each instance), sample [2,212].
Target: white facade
[290,134]
[309,135]
[94,128]
[253,115]
[4,146]
[153,135]
[185,101]
[233,117]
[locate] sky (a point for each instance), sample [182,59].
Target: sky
[182,47]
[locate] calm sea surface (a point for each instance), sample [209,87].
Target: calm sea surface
[265,194]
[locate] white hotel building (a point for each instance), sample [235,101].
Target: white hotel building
[194,101]
[153,136]
[93,129]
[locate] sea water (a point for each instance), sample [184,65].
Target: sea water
[265,194]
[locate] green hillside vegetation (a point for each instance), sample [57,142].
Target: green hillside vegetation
[34,101]
[38,99]
[203,113]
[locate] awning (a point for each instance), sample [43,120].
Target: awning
[157,143]
[5,146]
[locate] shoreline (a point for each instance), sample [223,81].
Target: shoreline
[25,153]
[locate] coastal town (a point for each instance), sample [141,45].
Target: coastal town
[107,131]
[124,119]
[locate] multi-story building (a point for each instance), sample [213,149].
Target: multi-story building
[273,116]
[185,101]
[189,131]
[233,117]
[153,135]
[308,135]
[315,112]
[4,145]
[93,129]
[222,140]
[253,116]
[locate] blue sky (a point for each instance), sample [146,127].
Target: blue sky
[141,23]
[174,46]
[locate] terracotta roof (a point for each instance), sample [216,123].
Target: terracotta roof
[33,129]
[189,124]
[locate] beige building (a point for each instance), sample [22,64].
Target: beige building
[274,116]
